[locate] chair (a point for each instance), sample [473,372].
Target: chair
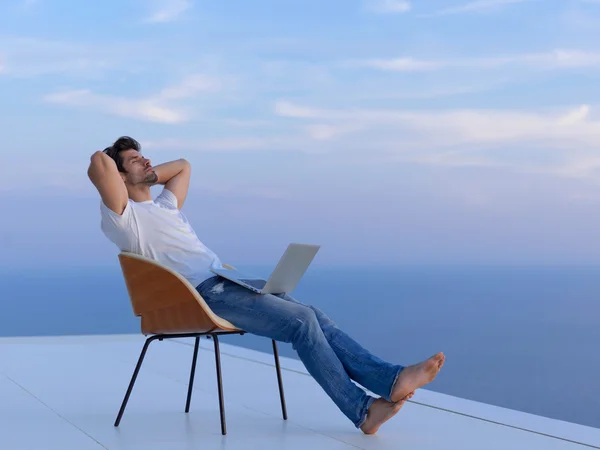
[170,307]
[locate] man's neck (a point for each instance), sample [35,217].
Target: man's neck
[140,193]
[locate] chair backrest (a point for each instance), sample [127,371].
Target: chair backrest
[165,300]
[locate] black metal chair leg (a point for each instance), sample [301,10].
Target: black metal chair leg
[215,338]
[192,374]
[133,378]
[220,384]
[279,380]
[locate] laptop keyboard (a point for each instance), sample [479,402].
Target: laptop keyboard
[258,284]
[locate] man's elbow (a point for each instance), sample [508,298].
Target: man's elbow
[185,167]
[94,162]
[97,156]
[97,164]
[98,159]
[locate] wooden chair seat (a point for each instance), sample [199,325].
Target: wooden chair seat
[170,307]
[165,300]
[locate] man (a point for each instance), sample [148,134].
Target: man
[157,229]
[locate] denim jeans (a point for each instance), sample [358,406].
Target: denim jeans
[331,357]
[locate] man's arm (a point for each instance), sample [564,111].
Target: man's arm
[105,176]
[175,175]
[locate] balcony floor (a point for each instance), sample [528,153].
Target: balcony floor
[64,393]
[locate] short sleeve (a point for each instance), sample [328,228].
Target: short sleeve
[111,219]
[167,199]
[120,229]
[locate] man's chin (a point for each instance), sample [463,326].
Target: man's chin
[151,178]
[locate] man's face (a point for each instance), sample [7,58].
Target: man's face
[139,170]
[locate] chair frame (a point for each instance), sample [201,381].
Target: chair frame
[221,328]
[215,337]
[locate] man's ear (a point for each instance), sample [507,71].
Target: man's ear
[123,177]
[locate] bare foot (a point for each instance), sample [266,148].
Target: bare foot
[414,377]
[380,412]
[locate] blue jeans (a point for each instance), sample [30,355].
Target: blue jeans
[331,357]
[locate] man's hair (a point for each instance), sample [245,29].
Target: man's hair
[120,145]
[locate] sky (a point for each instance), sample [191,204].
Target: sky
[389,132]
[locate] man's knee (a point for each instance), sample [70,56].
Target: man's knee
[306,316]
[303,321]
[323,319]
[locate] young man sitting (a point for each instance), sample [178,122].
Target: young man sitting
[156,228]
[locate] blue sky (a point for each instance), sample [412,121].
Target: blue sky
[390,132]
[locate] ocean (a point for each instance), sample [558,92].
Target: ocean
[525,338]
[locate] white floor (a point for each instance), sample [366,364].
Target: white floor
[64,393]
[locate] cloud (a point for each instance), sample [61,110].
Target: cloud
[466,126]
[189,87]
[556,59]
[153,108]
[278,140]
[405,64]
[559,142]
[168,11]
[238,192]
[429,90]
[444,137]
[289,109]
[477,6]
[28,4]
[31,57]
[388,6]
[118,106]
[326,132]
[211,145]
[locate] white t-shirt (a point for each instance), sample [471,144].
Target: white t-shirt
[158,230]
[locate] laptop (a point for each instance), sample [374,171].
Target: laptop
[286,276]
